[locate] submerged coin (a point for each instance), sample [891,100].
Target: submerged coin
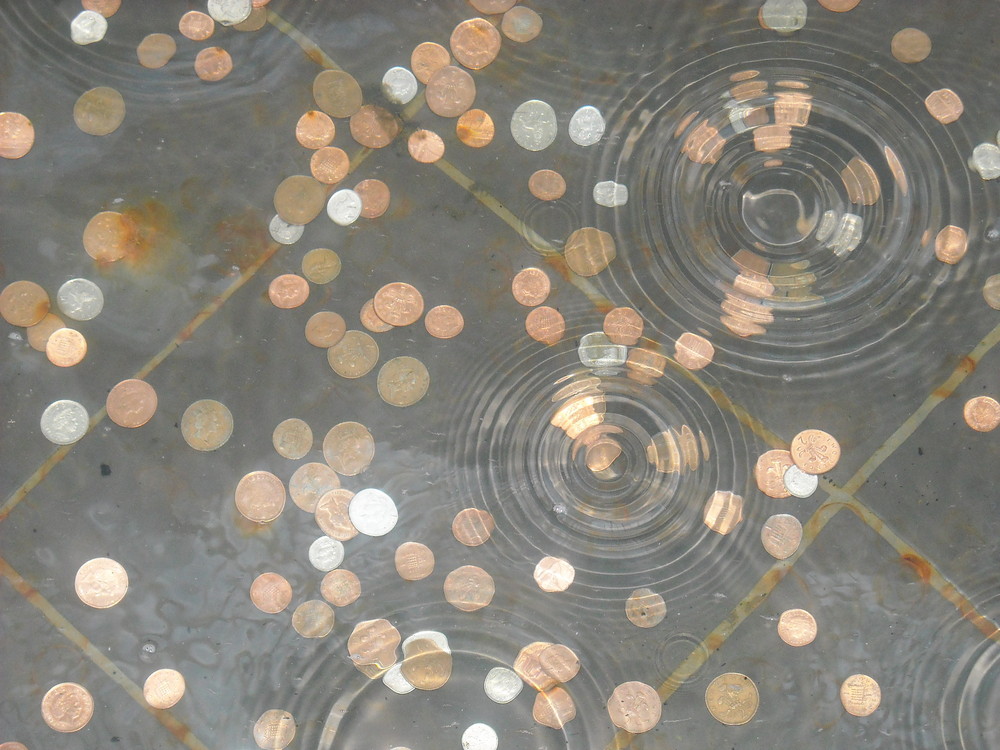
[554,708]
[559,662]
[502,685]
[796,627]
[321,265]
[951,244]
[444,322]
[80,299]
[349,448]
[315,129]
[288,291]
[196,26]
[325,329]
[17,135]
[693,352]
[354,355]
[67,707]
[425,146]
[292,438]
[732,698]
[229,12]
[326,554]
[414,561]
[480,737]
[340,587]
[610,194]
[38,334]
[374,196]
[860,695]
[299,198]
[554,574]
[64,422]
[164,688]
[271,593]
[371,320]
[65,347]
[531,287]
[910,45]
[156,50]
[344,207]
[475,43]
[547,185]
[310,482]
[399,85]
[374,127]
[403,381]
[372,646]
[88,27]
[533,125]
[635,707]
[213,64]
[469,588]
[815,451]
[944,105]
[207,425]
[589,250]
[426,665]
[23,303]
[545,325]
[313,619]
[131,403]
[799,483]
[399,303]
[337,93]
[333,515]
[329,165]
[450,91]
[101,583]
[982,413]
[427,59]
[274,730]
[723,511]
[645,608]
[473,526]
[770,473]
[373,512]
[586,126]
[260,496]
[781,535]
[521,24]
[623,326]
[284,233]
[475,128]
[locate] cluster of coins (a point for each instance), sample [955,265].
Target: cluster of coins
[27,305]
[546,667]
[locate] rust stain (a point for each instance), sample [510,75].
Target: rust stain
[918,565]
[244,238]
[150,224]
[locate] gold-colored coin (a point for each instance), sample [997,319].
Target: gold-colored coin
[528,666]
[427,59]
[860,695]
[131,403]
[414,561]
[337,93]
[531,287]
[732,698]
[110,236]
[164,688]
[271,593]
[623,326]
[425,664]
[781,535]
[374,196]
[403,381]
[450,91]
[340,587]
[374,127]
[325,329]
[354,355]
[475,43]
[207,425]
[815,451]
[645,608]
[982,413]
[469,588]
[770,472]
[298,199]
[313,619]
[196,26]
[67,707]
[310,482]
[371,320]
[288,291]
[349,448]
[554,708]
[38,334]
[99,111]
[329,165]
[292,438]
[635,707]
[944,105]
[472,526]
[475,128]
[399,304]
[723,511]
[559,662]
[545,325]
[951,244]
[17,135]
[444,322]
[547,185]
[260,496]
[24,303]
[274,730]
[589,251]
[321,265]
[213,64]
[332,515]
[797,627]
[315,129]
[910,45]
[101,583]
[156,50]
[554,574]
[66,347]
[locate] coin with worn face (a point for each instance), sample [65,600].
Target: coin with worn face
[340,587]
[313,619]
[502,685]
[475,43]
[589,251]
[547,185]
[271,593]
[310,482]
[373,512]
[693,352]
[723,511]
[554,574]
[815,451]
[23,303]
[860,695]
[554,708]
[635,707]
[206,425]
[645,608]
[528,666]
[131,403]
[444,322]
[67,707]
[770,473]
[427,59]
[559,662]
[781,535]
[260,496]
[355,355]
[473,526]
[292,438]
[399,303]
[797,627]
[372,646]
[426,665]
[531,287]
[332,515]
[403,381]
[101,582]
[469,588]
[274,730]
[450,91]
[64,422]
[164,688]
[349,448]
[732,698]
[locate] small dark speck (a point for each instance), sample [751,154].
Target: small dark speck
[105,470]
[116,739]
[920,451]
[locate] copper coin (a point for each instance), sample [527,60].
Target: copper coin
[982,413]
[109,236]
[106,8]
[156,50]
[528,666]
[693,352]
[260,496]
[206,425]
[723,511]
[324,329]
[991,291]
[815,452]
[531,286]
[292,438]
[274,730]
[944,105]
[374,196]
[554,708]
[333,517]
[781,535]
[554,574]
[475,128]
[450,92]
[839,6]
[427,59]
[399,304]
[414,561]
[732,698]
[588,251]
[288,291]
[472,526]
[163,688]
[373,643]
[66,347]
[475,43]
[469,588]
[131,403]
[270,593]
[38,334]
[354,355]
[213,64]
[196,26]
[374,127]
[796,627]
[492,7]
[623,326]
[340,587]
[329,165]
[315,129]
[547,185]
[861,182]
[559,662]
[645,608]
[13,746]
[298,199]
[425,664]
[403,381]
[101,583]
[99,111]
[313,619]
[910,45]
[23,303]
[602,453]
[860,695]
[337,93]
[349,448]
[770,472]
[321,265]
[310,482]
[371,320]
[521,24]
[951,244]
[545,325]
[444,322]
[634,707]
[255,21]
[67,707]
[425,146]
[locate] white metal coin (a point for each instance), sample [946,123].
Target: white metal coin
[344,207]
[326,554]
[502,685]
[586,126]
[610,193]
[373,512]
[533,125]
[784,15]
[399,85]
[229,12]
[799,483]
[437,637]
[80,299]
[284,233]
[597,351]
[480,737]
[88,27]
[64,422]
[395,681]
[986,161]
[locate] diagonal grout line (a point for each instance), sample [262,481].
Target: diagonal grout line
[174,725]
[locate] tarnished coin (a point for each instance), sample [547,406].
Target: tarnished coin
[299,198]
[982,413]
[206,425]
[492,7]
[693,352]
[196,26]
[732,698]
[403,381]
[131,403]
[333,515]
[374,127]
[425,146]
[473,526]
[559,662]
[533,125]
[531,287]
[796,627]
[156,50]
[66,347]
[528,666]
[288,291]
[427,59]
[951,244]
[635,707]
[545,325]
[399,303]
[373,512]
[38,334]
[469,588]
[374,196]
[23,303]
[475,128]
[101,583]
[991,291]
[337,93]
[99,111]
[108,236]
[315,129]
[164,688]
[444,322]
[349,448]
[310,482]
[325,329]
[213,64]
[292,438]
[839,6]
[80,299]
[340,587]
[326,554]
[17,135]
[67,707]
[271,593]
[770,473]
[589,251]
[547,185]
[13,746]
[502,685]
[321,265]
[399,85]
[260,496]
[860,695]
[371,320]
[521,24]
[623,326]
[414,561]
[723,511]
[475,43]
[313,619]
[799,483]
[815,451]
[910,45]
[450,91]
[64,422]
[554,708]
[426,665]
[781,535]
[354,355]
[645,608]
[554,574]
[274,730]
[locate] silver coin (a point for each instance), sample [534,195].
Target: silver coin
[326,554]
[847,235]
[502,685]
[373,512]
[586,126]
[284,233]
[480,737]
[395,681]
[533,125]
[88,27]
[827,223]
[344,207]
[784,15]
[597,351]
[230,12]
[399,85]
[986,160]
[738,112]
[64,422]
[799,483]
[439,639]
[80,299]
[610,194]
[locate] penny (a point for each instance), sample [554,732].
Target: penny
[634,707]
[399,304]
[839,6]
[109,236]
[38,334]
[340,587]
[951,244]
[414,561]
[531,287]
[88,27]
[502,685]
[425,664]
[475,43]
[337,93]
[229,12]
[469,588]
[163,688]
[349,448]
[373,512]
[310,482]
[374,196]
[588,251]
[66,347]
[623,326]
[480,736]
[372,646]
[313,619]
[353,356]
[196,26]
[106,8]
[528,666]
[213,64]
[798,483]
[554,708]
[399,85]
[274,730]
[450,91]
[944,105]
[910,45]
[13,746]
[288,291]
[444,322]
[521,24]
[545,325]
[586,126]
[770,473]
[324,329]
[693,352]
[256,20]
[991,291]
[321,265]
[982,413]
[329,165]
[131,403]
[315,129]
[80,299]
[292,438]
[67,707]
[796,627]
[547,185]
[371,320]
[156,50]
[344,207]
[374,127]
[533,125]
[732,698]
[554,574]
[559,662]
[781,535]
[425,146]
[475,128]
[325,554]
[260,496]
[472,526]
[270,593]
[427,59]
[860,695]
[23,303]
[64,422]
[403,381]
[861,182]
[723,512]
[101,583]
[645,608]
[815,452]
[332,514]
[492,7]
[17,135]
[298,199]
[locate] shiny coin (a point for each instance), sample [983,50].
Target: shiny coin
[340,587]
[88,27]
[23,303]
[531,287]
[394,680]
[770,473]
[545,325]
[109,236]
[65,347]
[403,381]
[156,50]
[38,334]
[444,322]
[399,85]
[270,593]
[131,403]
[260,496]
[337,93]
[586,126]
[284,233]
[475,43]
[80,299]
[372,646]
[610,194]
[986,160]
[106,8]
[425,146]
[860,695]
[373,512]
[399,304]
[450,91]
[196,26]
[693,352]
[554,574]
[414,561]
[781,535]
[374,127]
[784,16]
[344,207]
[371,320]
[554,708]
[436,636]
[315,129]
[723,512]
[163,688]
[533,125]
[951,244]
[349,448]
[213,64]
[325,329]
[469,588]
[910,45]
[634,707]
[427,59]
[207,425]
[292,438]
[298,199]
[475,128]
[333,514]
[310,482]
[645,608]
[796,627]
[274,730]
[815,451]
[588,251]
[623,326]
[374,198]
[597,351]
[502,685]
[329,165]
[426,665]
[229,12]
[321,265]
[559,662]
[353,356]
[547,185]
[944,105]
[521,24]
[798,483]
[288,291]
[480,737]
[472,526]
[325,554]
[982,413]
[732,698]
[67,707]
[17,135]
[313,619]
[101,583]
[64,422]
